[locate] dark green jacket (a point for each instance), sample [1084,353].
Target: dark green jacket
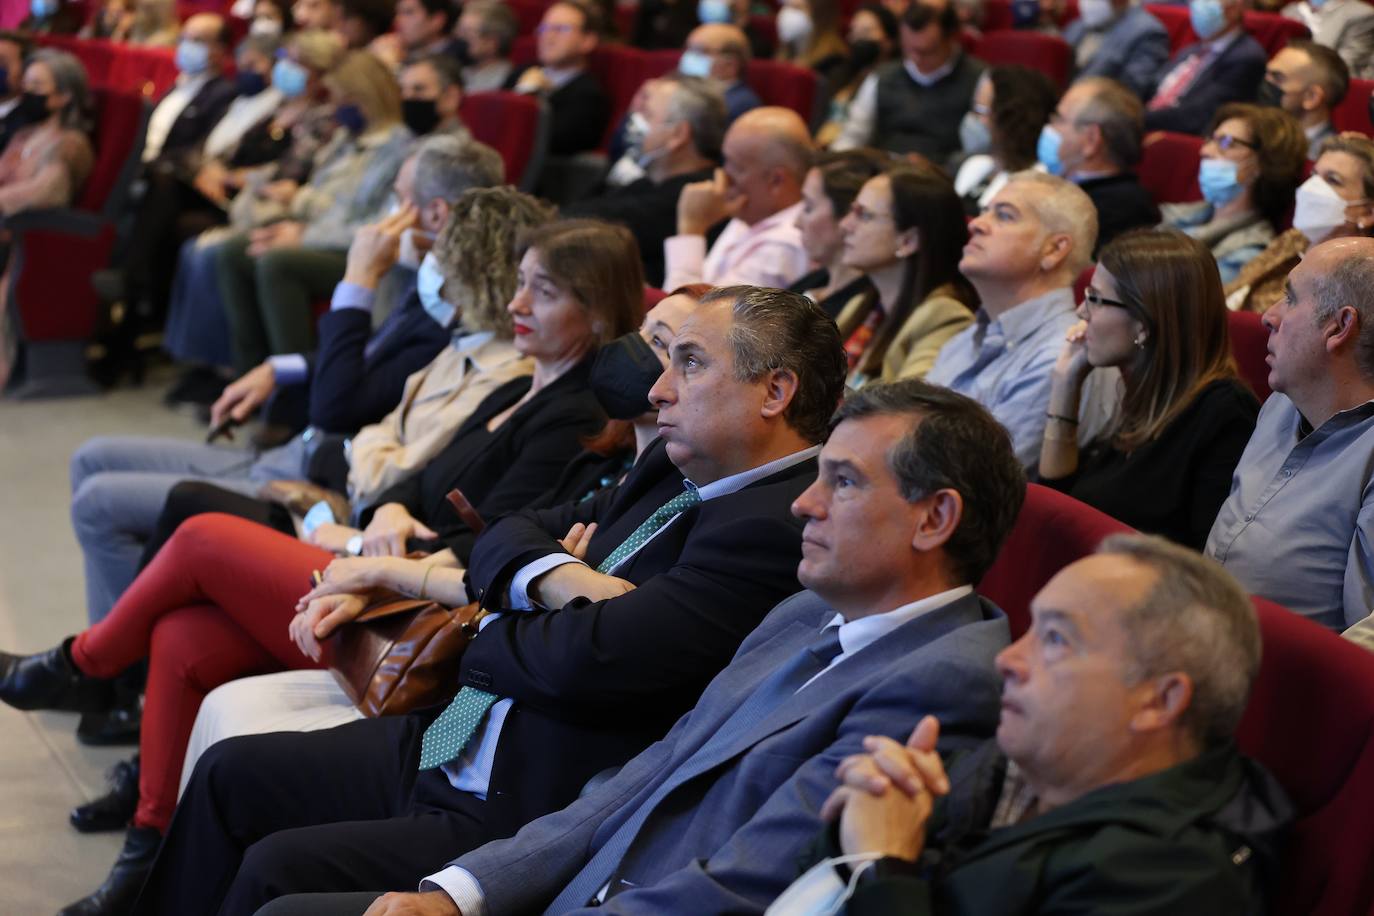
[1202,837]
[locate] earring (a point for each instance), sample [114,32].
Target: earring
[1140,342]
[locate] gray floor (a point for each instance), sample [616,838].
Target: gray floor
[44,863]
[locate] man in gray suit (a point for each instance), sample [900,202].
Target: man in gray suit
[1119,40]
[918,487]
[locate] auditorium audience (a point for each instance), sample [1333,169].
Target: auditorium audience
[431,94]
[578,104]
[270,276]
[1023,254]
[766,155]
[914,105]
[677,127]
[47,161]
[1113,783]
[484,34]
[721,52]
[1225,65]
[317,14]
[809,36]
[269,18]
[1338,200]
[1298,523]
[1343,26]
[1248,173]
[737,13]
[51,17]
[872,39]
[1120,40]
[828,192]
[14,48]
[739,414]
[194,105]
[918,487]
[1001,130]
[420,29]
[905,232]
[150,23]
[1307,80]
[1094,139]
[359,22]
[197,593]
[1154,310]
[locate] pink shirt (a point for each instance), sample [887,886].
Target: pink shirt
[768,253]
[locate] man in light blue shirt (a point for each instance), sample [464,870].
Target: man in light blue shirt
[1298,527]
[1023,254]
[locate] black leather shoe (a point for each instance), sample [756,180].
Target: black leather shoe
[116,897]
[49,680]
[114,727]
[114,809]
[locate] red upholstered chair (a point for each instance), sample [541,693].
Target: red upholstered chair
[1052,531]
[653,296]
[621,70]
[1168,167]
[1311,722]
[1250,345]
[96,55]
[1176,23]
[516,126]
[788,85]
[528,12]
[150,71]
[1353,111]
[1273,31]
[1049,54]
[55,251]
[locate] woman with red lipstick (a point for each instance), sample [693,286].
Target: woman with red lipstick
[1154,310]
[219,600]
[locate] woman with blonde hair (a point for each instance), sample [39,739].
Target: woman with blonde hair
[1154,311]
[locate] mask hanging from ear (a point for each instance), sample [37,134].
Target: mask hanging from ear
[429,283]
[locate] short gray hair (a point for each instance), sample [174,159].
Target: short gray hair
[266,45]
[69,78]
[1120,116]
[698,103]
[1196,620]
[446,166]
[1064,208]
[1350,282]
[498,21]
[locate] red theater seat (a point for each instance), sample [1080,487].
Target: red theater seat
[1272,31]
[1311,722]
[1049,54]
[1168,167]
[516,126]
[1250,345]
[149,71]
[1353,111]
[788,85]
[1052,531]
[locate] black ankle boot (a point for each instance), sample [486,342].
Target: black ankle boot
[120,724]
[49,680]
[116,897]
[114,809]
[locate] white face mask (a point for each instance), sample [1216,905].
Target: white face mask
[1095,13]
[410,255]
[1319,210]
[819,891]
[626,170]
[794,25]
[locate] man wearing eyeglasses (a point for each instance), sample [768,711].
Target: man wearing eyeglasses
[580,108]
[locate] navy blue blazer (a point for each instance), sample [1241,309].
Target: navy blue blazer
[181,150]
[1233,76]
[1133,51]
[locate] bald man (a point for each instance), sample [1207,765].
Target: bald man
[185,115]
[721,51]
[766,155]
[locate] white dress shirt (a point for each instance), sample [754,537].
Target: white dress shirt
[244,112]
[168,110]
[768,253]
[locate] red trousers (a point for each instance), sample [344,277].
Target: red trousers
[214,605]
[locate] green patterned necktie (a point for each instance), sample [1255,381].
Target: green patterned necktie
[450,733]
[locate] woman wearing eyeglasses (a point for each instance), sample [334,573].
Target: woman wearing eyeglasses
[1250,167]
[1154,310]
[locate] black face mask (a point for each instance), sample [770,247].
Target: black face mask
[1269,95]
[249,83]
[459,49]
[420,115]
[4,81]
[32,108]
[863,54]
[624,371]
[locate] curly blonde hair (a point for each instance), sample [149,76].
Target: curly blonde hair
[476,251]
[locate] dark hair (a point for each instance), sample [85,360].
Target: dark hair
[1280,146]
[886,21]
[776,329]
[593,20]
[844,172]
[17,38]
[1119,115]
[444,7]
[956,445]
[598,264]
[1170,284]
[376,15]
[445,66]
[1022,100]
[919,16]
[1333,74]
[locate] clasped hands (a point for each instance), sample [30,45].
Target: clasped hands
[562,584]
[886,795]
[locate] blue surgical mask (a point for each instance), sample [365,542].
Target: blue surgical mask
[1217,178]
[350,118]
[974,136]
[429,282]
[290,78]
[192,56]
[694,63]
[42,9]
[1207,17]
[1047,150]
[714,11]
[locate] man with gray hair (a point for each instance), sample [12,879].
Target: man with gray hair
[1024,252]
[485,31]
[1113,784]
[1094,139]
[1298,527]
[676,129]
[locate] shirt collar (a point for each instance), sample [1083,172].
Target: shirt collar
[787,216]
[562,76]
[1024,319]
[7,107]
[1360,413]
[1318,130]
[930,79]
[191,83]
[731,484]
[856,634]
[1217,45]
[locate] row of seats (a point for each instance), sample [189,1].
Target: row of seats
[1321,751]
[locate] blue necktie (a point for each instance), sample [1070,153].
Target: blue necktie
[768,696]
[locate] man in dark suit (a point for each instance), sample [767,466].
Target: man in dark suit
[578,105]
[1225,66]
[917,490]
[1120,40]
[14,48]
[1098,126]
[690,553]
